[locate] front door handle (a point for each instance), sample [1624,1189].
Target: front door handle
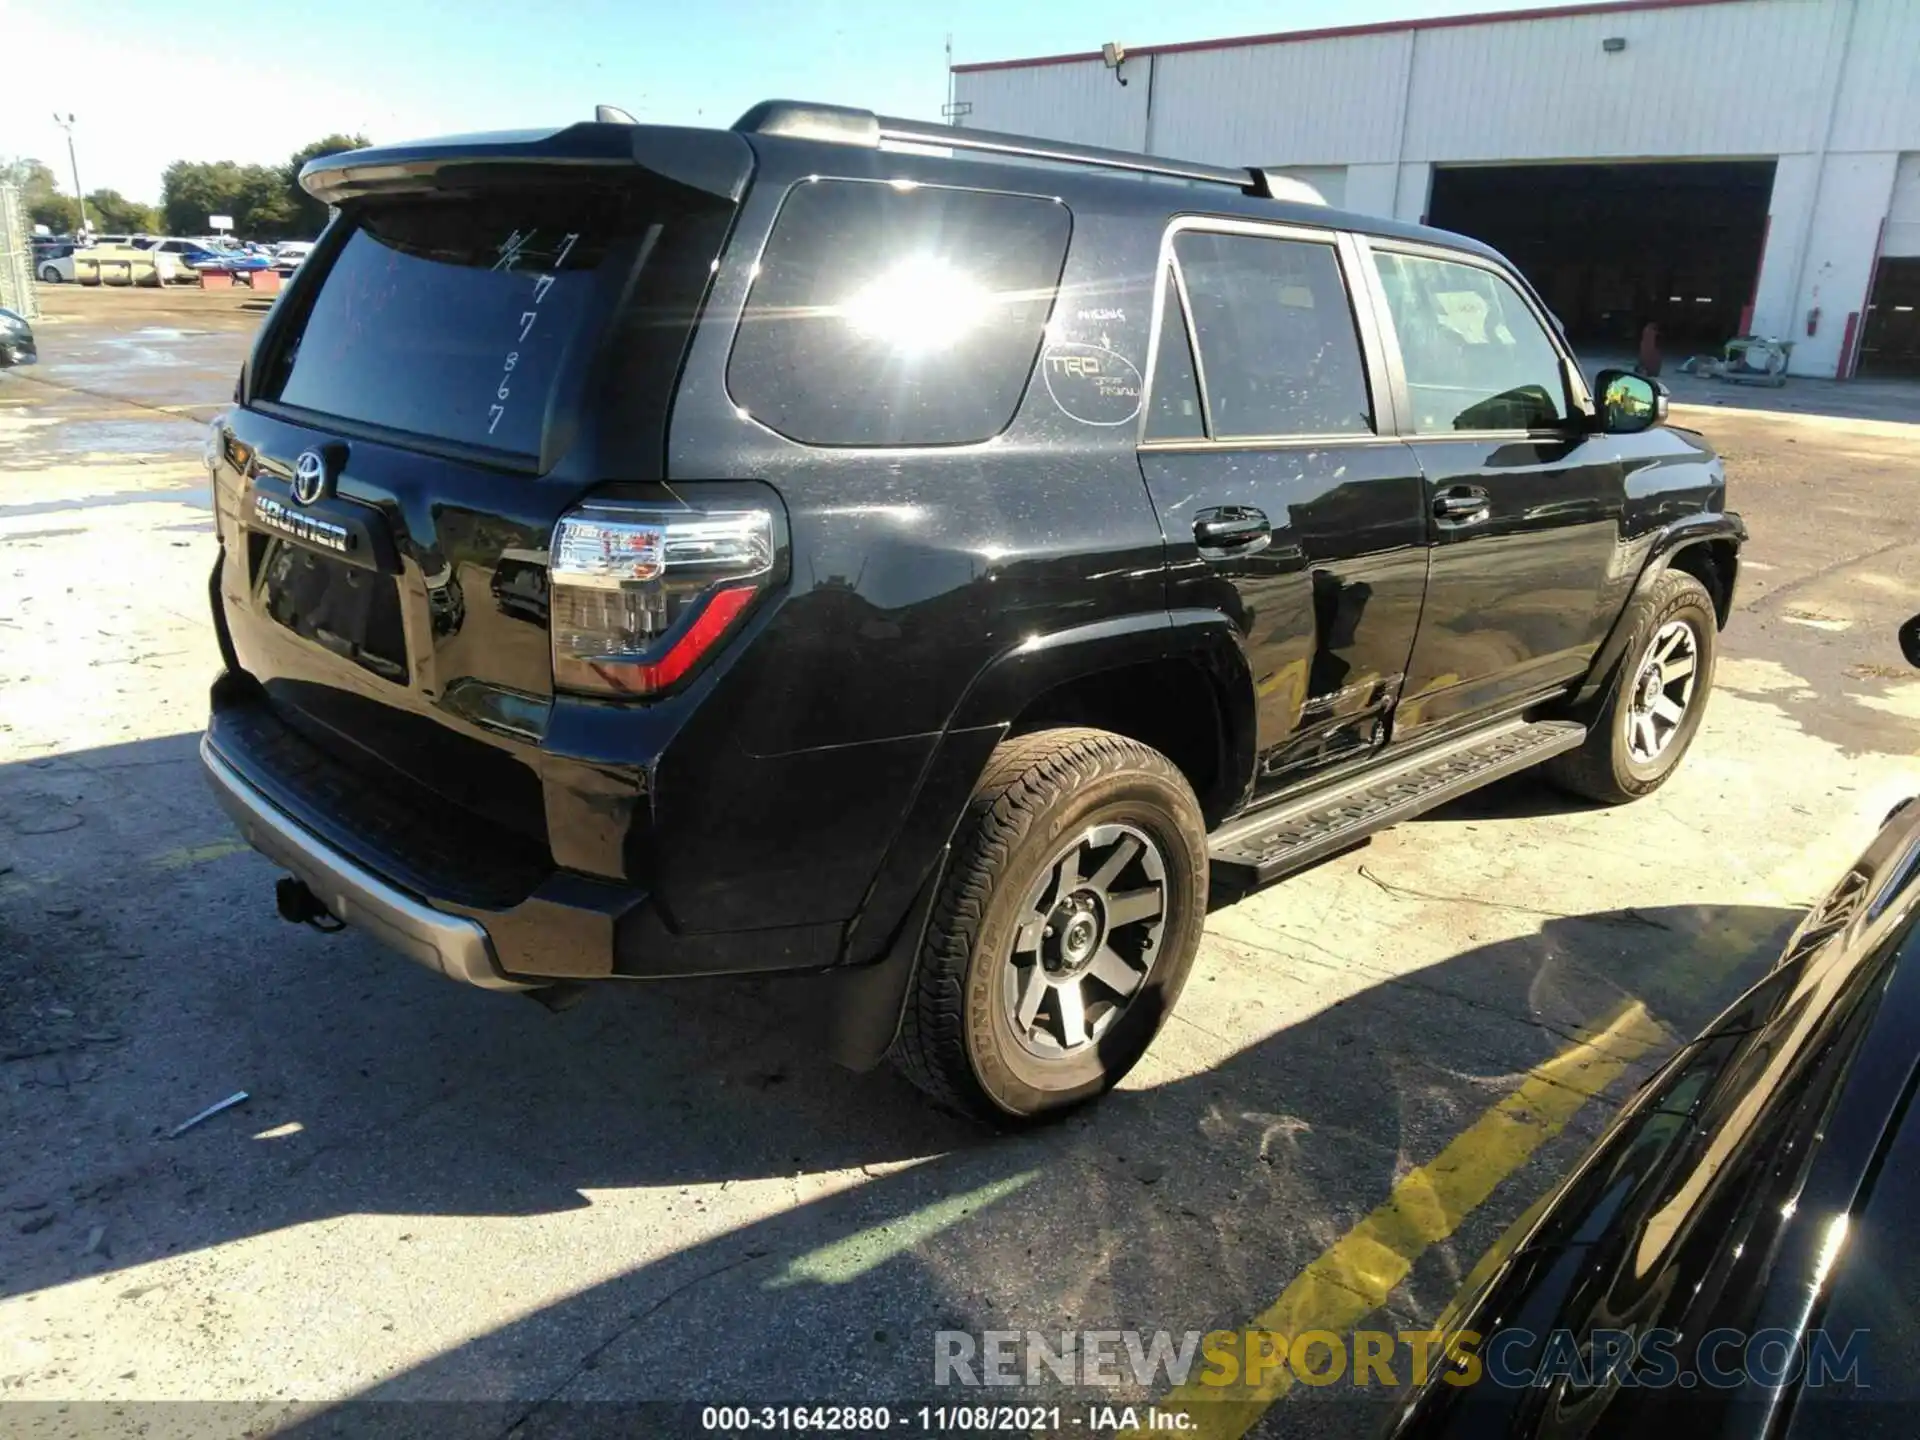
[1461,504]
[1234,529]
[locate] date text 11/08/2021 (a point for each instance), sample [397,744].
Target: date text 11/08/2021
[942,1419]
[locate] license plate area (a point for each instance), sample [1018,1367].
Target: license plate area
[348,609]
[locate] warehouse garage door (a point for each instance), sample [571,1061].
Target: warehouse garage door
[1890,338]
[1611,247]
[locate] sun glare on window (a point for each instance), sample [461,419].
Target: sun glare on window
[921,305]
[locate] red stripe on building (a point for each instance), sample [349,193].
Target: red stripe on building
[1336,32]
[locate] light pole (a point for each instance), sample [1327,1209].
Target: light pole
[78,194]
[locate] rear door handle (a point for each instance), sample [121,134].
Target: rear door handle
[1461,504]
[1232,529]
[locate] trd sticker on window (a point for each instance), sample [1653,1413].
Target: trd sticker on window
[1091,383]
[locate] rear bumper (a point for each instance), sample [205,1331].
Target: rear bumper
[447,888]
[451,944]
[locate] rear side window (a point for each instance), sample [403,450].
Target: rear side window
[1475,357]
[1276,336]
[897,314]
[448,318]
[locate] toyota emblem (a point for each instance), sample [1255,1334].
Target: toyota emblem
[309,477]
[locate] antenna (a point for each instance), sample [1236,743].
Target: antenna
[1115,55]
[612,115]
[954,111]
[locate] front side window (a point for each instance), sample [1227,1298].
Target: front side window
[1475,357]
[1276,336]
[897,314]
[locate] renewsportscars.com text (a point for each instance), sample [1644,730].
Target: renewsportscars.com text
[1514,1358]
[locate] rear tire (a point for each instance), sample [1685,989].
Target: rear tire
[1653,710]
[1080,866]
[50,275]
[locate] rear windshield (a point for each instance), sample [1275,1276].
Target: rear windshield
[897,315]
[448,318]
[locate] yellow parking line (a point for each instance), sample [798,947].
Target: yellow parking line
[179,859]
[1354,1277]
[196,854]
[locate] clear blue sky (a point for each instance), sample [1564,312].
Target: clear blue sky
[265,79]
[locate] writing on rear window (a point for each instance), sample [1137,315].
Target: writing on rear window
[449,319]
[511,250]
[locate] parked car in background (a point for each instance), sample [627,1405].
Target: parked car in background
[188,256]
[291,253]
[224,257]
[16,340]
[1762,1190]
[53,263]
[1082,543]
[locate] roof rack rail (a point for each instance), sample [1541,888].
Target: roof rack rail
[843,125]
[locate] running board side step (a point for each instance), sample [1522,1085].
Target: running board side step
[1262,846]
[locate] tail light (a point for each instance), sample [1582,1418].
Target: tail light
[640,594]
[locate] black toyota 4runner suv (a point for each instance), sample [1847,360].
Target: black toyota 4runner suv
[917,558]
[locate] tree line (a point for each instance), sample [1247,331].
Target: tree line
[265,201]
[45,205]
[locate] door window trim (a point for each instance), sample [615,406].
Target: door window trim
[1354,276]
[1573,381]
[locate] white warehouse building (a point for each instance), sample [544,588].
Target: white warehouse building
[1721,167]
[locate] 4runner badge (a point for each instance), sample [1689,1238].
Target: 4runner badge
[309,477]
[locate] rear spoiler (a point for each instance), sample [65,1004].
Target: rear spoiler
[714,162]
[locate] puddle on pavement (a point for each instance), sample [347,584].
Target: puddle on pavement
[114,440]
[195,495]
[16,428]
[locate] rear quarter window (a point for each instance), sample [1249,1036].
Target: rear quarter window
[886,315]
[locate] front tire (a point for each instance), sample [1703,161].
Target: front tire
[1065,926]
[1653,711]
[50,275]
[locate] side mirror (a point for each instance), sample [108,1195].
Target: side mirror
[1910,640]
[1629,403]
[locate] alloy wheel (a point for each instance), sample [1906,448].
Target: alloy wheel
[1663,688]
[1086,940]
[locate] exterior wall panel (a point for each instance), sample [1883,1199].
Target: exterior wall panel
[1326,104]
[1796,178]
[1718,80]
[1081,103]
[1903,213]
[1853,195]
[1829,88]
[1879,103]
[1749,78]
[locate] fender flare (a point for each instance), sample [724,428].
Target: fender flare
[1666,543]
[865,996]
[1014,678]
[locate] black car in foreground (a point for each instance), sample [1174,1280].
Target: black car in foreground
[1739,1256]
[16,340]
[921,559]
